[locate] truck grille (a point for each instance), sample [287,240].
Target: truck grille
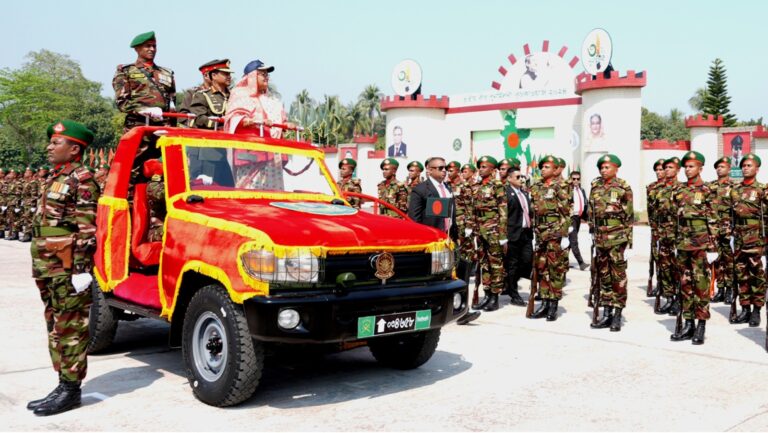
[407,266]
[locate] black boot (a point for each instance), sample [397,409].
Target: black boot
[542,310]
[743,317]
[32,405]
[686,333]
[616,323]
[552,311]
[604,321]
[493,305]
[68,398]
[664,309]
[674,310]
[698,336]
[514,296]
[754,321]
[483,302]
[728,298]
[719,296]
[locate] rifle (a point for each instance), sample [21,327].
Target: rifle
[534,276]
[594,289]
[649,290]
[678,274]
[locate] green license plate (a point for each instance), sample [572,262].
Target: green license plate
[372,326]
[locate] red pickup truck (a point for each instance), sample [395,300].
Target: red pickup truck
[260,247]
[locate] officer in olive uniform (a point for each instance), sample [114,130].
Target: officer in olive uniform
[64,242]
[346,183]
[651,204]
[551,212]
[187,97]
[696,248]
[610,201]
[721,201]
[390,189]
[143,88]
[212,102]
[750,215]
[489,212]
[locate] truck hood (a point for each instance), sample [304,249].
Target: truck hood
[292,223]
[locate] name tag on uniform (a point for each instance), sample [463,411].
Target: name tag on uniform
[550,194]
[54,195]
[137,76]
[614,197]
[753,196]
[697,198]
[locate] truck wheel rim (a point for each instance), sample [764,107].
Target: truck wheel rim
[209,347]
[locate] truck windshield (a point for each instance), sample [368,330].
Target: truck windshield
[221,169]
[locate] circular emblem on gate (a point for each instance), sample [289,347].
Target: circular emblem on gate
[385,266]
[457,145]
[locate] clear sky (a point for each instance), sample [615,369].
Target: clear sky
[338,47]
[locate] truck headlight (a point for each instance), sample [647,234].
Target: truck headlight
[442,260]
[298,266]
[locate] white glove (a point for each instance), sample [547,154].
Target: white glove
[503,242]
[33,209]
[570,229]
[762,260]
[17,209]
[628,254]
[711,257]
[564,243]
[733,247]
[153,112]
[467,232]
[4,208]
[81,281]
[207,180]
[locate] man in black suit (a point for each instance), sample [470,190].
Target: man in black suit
[578,214]
[398,148]
[519,255]
[435,187]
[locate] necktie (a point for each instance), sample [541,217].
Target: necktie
[524,205]
[446,221]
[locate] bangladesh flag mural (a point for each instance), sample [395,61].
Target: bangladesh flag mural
[514,140]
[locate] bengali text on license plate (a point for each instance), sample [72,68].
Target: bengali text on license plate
[371,326]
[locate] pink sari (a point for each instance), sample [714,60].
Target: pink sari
[245,103]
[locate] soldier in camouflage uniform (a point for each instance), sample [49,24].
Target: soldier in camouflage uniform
[463,201]
[101,176]
[346,183]
[212,101]
[12,195]
[551,212]
[489,216]
[610,201]
[30,195]
[62,248]
[565,185]
[155,199]
[666,221]
[696,247]
[721,201]
[651,204]
[415,168]
[453,174]
[391,190]
[750,216]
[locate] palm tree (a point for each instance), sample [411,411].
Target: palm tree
[370,100]
[697,100]
[302,110]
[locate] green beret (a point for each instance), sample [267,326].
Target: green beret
[693,156]
[613,159]
[348,161]
[751,156]
[488,158]
[675,160]
[71,130]
[456,164]
[725,159]
[549,158]
[140,39]
[390,161]
[659,162]
[561,162]
[471,167]
[416,164]
[505,161]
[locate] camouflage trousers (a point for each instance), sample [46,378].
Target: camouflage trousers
[694,283]
[25,225]
[612,271]
[666,269]
[724,264]
[18,220]
[492,265]
[66,316]
[549,267]
[750,277]
[654,250]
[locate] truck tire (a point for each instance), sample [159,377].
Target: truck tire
[405,351]
[223,363]
[102,323]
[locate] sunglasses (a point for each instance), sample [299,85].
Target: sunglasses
[575,178]
[439,168]
[516,177]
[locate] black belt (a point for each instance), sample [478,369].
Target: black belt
[692,222]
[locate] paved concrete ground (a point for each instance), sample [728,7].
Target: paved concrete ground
[503,372]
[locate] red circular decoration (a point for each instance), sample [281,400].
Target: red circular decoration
[437,207]
[513,140]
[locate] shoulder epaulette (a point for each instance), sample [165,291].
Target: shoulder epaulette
[167,70]
[355,181]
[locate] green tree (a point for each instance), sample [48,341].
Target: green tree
[370,103]
[697,100]
[717,100]
[48,87]
[654,126]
